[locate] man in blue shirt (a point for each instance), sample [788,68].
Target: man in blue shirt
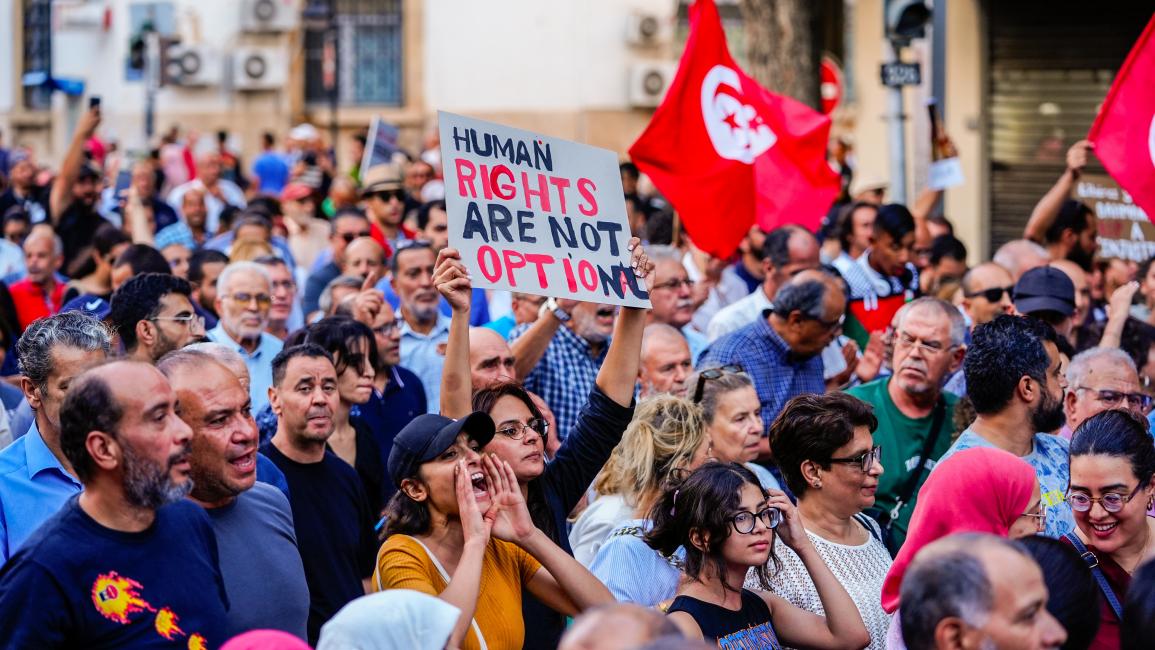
[36,478]
[782,350]
[127,563]
[1015,382]
[424,329]
[244,296]
[245,514]
[270,168]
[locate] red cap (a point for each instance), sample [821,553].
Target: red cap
[296,192]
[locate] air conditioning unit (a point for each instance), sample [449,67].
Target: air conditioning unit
[260,68]
[649,82]
[643,29]
[192,66]
[265,16]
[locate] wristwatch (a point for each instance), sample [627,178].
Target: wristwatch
[558,313]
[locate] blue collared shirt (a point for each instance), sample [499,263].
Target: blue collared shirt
[777,375]
[423,356]
[259,363]
[565,375]
[33,487]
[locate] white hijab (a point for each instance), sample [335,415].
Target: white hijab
[396,619]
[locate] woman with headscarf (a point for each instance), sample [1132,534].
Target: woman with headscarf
[977,490]
[397,619]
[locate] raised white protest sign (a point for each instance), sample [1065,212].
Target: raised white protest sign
[537,214]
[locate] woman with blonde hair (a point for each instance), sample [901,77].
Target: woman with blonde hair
[667,435]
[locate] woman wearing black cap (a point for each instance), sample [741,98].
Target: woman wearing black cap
[459,527]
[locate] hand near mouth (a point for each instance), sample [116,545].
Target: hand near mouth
[475,526]
[512,521]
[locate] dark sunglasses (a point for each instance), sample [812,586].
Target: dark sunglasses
[389,195]
[350,236]
[711,374]
[994,294]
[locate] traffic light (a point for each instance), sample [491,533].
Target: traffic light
[136,53]
[906,19]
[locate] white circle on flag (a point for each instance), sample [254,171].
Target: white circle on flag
[735,128]
[1151,140]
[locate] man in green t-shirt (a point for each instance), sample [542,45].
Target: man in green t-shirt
[928,348]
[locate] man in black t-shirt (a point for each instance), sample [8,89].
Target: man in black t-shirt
[72,201]
[332,514]
[128,562]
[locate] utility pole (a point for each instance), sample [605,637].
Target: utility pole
[903,20]
[152,73]
[896,122]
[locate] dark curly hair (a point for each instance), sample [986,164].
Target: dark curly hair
[1001,353]
[704,502]
[139,299]
[811,427]
[348,341]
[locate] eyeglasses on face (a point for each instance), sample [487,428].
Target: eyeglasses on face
[385,329]
[1040,517]
[1114,398]
[262,299]
[388,195]
[744,522]
[865,461]
[517,430]
[905,341]
[1111,501]
[675,284]
[194,322]
[994,294]
[350,236]
[827,325]
[711,374]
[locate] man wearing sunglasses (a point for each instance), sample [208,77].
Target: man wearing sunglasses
[347,226]
[384,197]
[1101,379]
[986,293]
[153,314]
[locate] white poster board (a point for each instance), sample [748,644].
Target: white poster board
[537,214]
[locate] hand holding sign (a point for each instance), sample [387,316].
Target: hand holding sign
[452,280]
[538,214]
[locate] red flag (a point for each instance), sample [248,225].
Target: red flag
[728,153]
[1124,131]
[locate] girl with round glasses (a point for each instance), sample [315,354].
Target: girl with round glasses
[1112,488]
[728,526]
[825,449]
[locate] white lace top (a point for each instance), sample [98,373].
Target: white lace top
[860,569]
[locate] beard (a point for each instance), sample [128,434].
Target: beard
[149,485]
[1049,414]
[1080,256]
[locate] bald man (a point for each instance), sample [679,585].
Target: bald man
[666,361]
[490,358]
[986,293]
[364,256]
[1021,255]
[1082,295]
[617,627]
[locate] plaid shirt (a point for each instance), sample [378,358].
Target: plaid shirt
[768,360]
[565,375]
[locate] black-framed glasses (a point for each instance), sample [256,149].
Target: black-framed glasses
[1113,398]
[827,325]
[744,522]
[1111,502]
[389,195]
[350,236]
[711,374]
[864,461]
[675,284]
[517,430]
[994,294]
[262,299]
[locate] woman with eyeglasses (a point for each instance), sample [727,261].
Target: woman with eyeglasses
[1112,488]
[354,354]
[825,449]
[551,490]
[733,416]
[977,490]
[728,524]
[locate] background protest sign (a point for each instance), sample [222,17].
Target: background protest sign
[1124,229]
[380,145]
[537,214]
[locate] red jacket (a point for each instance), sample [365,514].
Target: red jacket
[32,303]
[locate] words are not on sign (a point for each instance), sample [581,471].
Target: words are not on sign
[537,214]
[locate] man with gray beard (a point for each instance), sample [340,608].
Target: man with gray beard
[915,414]
[424,329]
[672,300]
[128,562]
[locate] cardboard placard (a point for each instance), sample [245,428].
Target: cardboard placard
[537,214]
[1124,228]
[380,144]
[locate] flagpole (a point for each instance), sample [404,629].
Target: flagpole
[674,238]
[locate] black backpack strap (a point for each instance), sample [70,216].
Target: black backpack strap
[870,525]
[1097,573]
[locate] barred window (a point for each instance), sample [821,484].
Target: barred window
[37,50]
[368,54]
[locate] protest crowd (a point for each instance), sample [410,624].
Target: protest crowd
[264,404]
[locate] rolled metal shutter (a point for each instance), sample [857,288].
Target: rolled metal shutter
[1051,64]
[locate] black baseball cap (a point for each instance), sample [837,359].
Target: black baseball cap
[428,436]
[1045,289]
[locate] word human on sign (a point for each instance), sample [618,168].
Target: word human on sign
[537,214]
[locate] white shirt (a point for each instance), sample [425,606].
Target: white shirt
[233,194]
[738,314]
[595,524]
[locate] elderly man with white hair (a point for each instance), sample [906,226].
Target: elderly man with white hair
[1100,379]
[244,296]
[1021,255]
[672,298]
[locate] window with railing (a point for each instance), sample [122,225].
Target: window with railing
[37,50]
[369,48]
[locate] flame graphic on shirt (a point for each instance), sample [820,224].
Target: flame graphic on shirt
[166,624]
[197,642]
[115,597]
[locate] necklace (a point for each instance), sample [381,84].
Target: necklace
[1142,553]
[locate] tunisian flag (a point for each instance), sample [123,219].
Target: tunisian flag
[1124,131]
[728,153]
